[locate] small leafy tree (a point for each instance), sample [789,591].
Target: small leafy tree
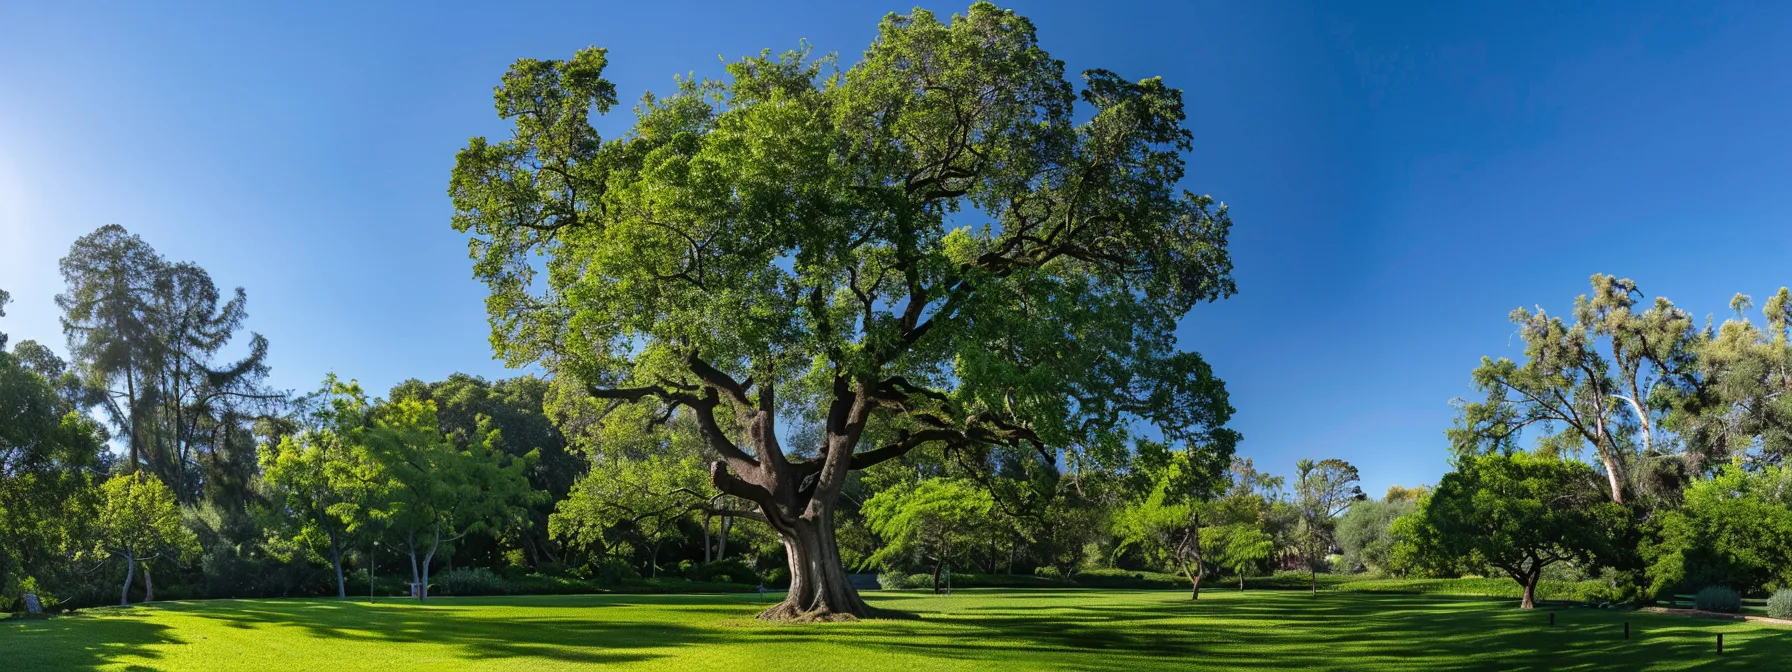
[648,496]
[311,475]
[931,519]
[1242,547]
[1519,514]
[139,522]
[1167,522]
[1322,491]
[426,491]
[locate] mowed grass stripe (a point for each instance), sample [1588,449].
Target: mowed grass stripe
[1012,629]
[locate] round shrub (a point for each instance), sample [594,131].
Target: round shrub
[1717,598]
[1780,605]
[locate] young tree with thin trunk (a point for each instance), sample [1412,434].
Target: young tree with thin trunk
[930,520]
[312,476]
[1323,491]
[1241,546]
[426,491]
[1176,510]
[646,497]
[925,247]
[1519,514]
[139,522]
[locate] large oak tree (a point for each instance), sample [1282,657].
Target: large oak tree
[926,247]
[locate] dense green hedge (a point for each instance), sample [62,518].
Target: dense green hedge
[1553,591]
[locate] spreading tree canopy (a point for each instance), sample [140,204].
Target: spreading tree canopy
[1518,514]
[925,247]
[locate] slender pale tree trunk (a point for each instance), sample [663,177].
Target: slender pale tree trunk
[149,584]
[130,574]
[435,542]
[722,544]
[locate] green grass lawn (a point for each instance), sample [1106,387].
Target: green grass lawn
[989,630]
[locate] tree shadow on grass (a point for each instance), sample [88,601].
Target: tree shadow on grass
[1332,632]
[82,641]
[618,631]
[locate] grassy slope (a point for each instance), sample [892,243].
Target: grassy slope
[1063,629]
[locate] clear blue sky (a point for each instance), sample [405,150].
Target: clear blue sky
[1401,175]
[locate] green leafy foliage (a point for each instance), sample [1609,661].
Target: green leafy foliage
[1518,514]
[925,524]
[1365,533]
[140,522]
[1734,528]
[424,490]
[923,248]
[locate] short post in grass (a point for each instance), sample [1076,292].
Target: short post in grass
[1627,629]
[1720,643]
[1552,618]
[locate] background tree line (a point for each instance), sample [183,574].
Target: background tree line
[142,461]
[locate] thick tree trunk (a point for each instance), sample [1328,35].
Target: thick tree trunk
[130,574]
[819,588]
[937,566]
[1530,593]
[149,584]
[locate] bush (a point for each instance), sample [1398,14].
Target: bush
[543,584]
[720,571]
[1289,580]
[900,581]
[969,580]
[614,572]
[1717,598]
[475,581]
[1588,592]
[1780,604]
[668,585]
[1120,578]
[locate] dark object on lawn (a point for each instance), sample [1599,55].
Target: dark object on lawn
[1627,629]
[1719,599]
[1552,618]
[1720,643]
